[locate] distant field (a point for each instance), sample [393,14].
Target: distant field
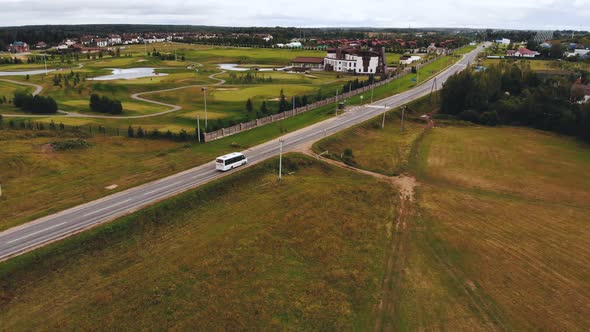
[241,253]
[543,65]
[385,151]
[7,91]
[498,227]
[37,182]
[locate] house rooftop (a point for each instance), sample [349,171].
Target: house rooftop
[308,60]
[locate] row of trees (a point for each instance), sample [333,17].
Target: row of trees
[166,56]
[248,78]
[34,104]
[139,132]
[104,104]
[285,104]
[72,77]
[514,95]
[10,61]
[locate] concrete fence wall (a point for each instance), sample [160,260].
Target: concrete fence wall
[211,136]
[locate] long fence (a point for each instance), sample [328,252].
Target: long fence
[211,136]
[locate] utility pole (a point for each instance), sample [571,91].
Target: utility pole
[372,89]
[383,123]
[204,89]
[293,105]
[280,159]
[403,114]
[45,61]
[198,128]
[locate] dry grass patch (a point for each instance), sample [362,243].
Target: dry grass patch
[240,253]
[504,222]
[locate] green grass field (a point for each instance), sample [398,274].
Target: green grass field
[200,62]
[498,237]
[33,178]
[385,151]
[46,184]
[7,91]
[497,230]
[244,252]
[543,65]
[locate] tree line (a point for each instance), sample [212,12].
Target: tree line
[512,94]
[34,104]
[104,104]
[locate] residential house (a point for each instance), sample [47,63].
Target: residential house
[115,39]
[503,41]
[87,40]
[355,60]
[522,52]
[432,49]
[69,42]
[583,54]
[294,44]
[101,42]
[129,38]
[18,47]
[41,45]
[409,59]
[586,90]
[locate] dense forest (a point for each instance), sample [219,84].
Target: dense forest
[53,34]
[512,94]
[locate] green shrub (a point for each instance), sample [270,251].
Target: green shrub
[71,144]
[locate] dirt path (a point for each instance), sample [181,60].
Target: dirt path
[396,259]
[398,254]
[136,96]
[38,88]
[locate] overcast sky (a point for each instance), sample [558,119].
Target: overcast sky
[510,14]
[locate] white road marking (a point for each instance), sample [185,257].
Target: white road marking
[108,207]
[164,187]
[37,232]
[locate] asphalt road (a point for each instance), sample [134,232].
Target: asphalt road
[42,231]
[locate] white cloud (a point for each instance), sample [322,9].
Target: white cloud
[521,14]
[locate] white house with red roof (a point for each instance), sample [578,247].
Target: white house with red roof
[522,52]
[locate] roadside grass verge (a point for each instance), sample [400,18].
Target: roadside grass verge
[376,149]
[243,252]
[33,179]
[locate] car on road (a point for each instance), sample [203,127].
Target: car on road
[230,161]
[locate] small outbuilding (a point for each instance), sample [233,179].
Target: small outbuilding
[308,62]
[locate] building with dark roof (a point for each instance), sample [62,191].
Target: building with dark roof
[355,60]
[308,62]
[18,47]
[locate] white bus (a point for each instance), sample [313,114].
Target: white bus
[229,161]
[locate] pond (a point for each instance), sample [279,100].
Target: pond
[128,74]
[235,67]
[24,72]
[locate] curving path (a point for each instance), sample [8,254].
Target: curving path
[60,225]
[136,96]
[38,88]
